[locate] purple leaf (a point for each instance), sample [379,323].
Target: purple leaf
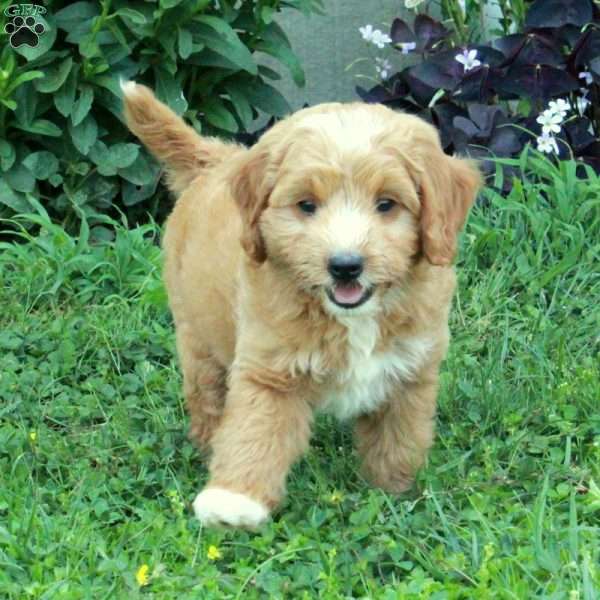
[532,48]
[497,134]
[437,76]
[556,13]
[375,95]
[443,114]
[404,105]
[567,35]
[442,117]
[467,127]
[592,156]
[478,85]
[401,32]
[429,32]
[578,134]
[488,55]
[586,49]
[420,91]
[394,88]
[537,81]
[486,117]
[505,141]
[443,71]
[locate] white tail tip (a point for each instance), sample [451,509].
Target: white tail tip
[129,87]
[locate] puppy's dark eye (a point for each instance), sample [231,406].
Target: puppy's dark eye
[385,205]
[307,206]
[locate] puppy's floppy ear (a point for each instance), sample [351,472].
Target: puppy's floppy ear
[448,189]
[251,193]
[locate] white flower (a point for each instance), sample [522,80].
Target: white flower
[412,3]
[547,144]
[587,76]
[559,107]
[366,32]
[374,36]
[407,47]
[468,59]
[380,39]
[383,67]
[550,122]
[582,105]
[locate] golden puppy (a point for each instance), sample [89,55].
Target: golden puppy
[337,298]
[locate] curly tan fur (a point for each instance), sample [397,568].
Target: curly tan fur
[261,342]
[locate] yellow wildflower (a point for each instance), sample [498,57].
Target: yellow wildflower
[213,553]
[142,575]
[336,497]
[32,436]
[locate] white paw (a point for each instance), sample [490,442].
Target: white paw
[216,506]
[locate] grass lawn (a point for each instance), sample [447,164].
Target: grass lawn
[97,475]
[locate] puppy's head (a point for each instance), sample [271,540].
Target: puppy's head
[343,199]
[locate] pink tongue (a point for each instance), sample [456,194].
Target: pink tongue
[348,294]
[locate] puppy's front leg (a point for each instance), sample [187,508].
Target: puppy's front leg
[393,442]
[265,428]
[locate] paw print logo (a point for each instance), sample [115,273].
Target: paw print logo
[24,31]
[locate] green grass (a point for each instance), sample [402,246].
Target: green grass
[97,475]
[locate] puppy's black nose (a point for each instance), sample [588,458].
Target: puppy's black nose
[345,267]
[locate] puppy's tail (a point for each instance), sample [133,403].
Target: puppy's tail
[183,152]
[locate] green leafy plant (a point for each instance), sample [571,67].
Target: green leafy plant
[61,133]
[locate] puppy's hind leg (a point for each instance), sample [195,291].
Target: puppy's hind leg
[393,442]
[204,386]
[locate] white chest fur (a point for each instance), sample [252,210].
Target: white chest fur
[366,381]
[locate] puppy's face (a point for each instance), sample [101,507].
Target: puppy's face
[339,202]
[342,219]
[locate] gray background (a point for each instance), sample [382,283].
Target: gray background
[327,44]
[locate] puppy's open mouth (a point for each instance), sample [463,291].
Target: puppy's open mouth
[349,295]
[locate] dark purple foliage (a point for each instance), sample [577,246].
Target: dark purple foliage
[538,82]
[479,85]
[394,94]
[530,48]
[560,41]
[587,48]
[578,134]
[486,132]
[429,32]
[556,13]
[401,33]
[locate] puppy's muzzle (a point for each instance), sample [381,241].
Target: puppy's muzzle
[347,291]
